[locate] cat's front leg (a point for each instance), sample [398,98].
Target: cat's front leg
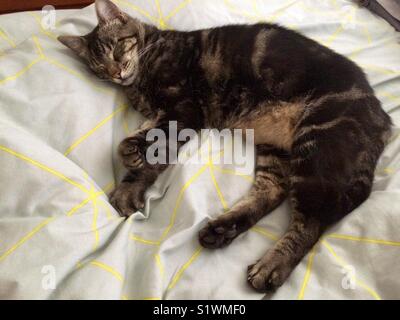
[128,197]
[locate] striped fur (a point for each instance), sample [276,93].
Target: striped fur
[319,128]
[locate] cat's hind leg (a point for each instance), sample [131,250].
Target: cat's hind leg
[332,165]
[276,265]
[268,191]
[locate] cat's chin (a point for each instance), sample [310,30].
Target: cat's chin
[123,82]
[127,81]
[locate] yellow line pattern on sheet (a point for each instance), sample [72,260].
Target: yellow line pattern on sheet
[41,57]
[21,72]
[116,274]
[254,5]
[177,204]
[390,96]
[225,206]
[47,33]
[43,167]
[257,15]
[90,198]
[342,263]
[93,197]
[125,126]
[56,63]
[4,36]
[179,200]
[90,132]
[217,188]
[282,10]
[214,180]
[389,170]
[367,33]
[40,226]
[177,9]
[159,264]
[149,242]
[78,206]
[161,21]
[339,30]
[178,275]
[316,11]
[25,238]
[137,9]
[246,14]
[235,173]
[107,187]
[308,272]
[362,239]
[107,268]
[71,71]
[265,233]
[38,47]
[380,69]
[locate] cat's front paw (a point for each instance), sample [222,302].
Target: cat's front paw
[132,151]
[270,272]
[217,234]
[128,198]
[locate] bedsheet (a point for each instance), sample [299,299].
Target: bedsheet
[59,129]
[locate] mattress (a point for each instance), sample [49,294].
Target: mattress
[59,129]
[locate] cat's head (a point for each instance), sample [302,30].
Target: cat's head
[112,49]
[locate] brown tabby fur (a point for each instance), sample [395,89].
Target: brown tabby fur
[319,129]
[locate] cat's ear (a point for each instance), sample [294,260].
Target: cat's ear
[108,11]
[75,43]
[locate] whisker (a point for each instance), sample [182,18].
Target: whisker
[147,48]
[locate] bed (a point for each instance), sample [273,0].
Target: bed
[59,129]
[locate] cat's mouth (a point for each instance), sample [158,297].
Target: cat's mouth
[123,82]
[127,81]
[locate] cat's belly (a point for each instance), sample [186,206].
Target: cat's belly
[275,125]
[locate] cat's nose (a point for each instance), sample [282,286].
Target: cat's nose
[115,72]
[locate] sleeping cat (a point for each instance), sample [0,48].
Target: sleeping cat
[319,129]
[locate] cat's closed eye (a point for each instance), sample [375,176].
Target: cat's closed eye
[124,45]
[131,38]
[100,70]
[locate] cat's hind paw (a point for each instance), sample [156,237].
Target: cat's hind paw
[269,273]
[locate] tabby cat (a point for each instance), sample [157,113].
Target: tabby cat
[319,129]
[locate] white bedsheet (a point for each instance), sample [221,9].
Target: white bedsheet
[59,128]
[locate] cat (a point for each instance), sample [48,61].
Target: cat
[319,128]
